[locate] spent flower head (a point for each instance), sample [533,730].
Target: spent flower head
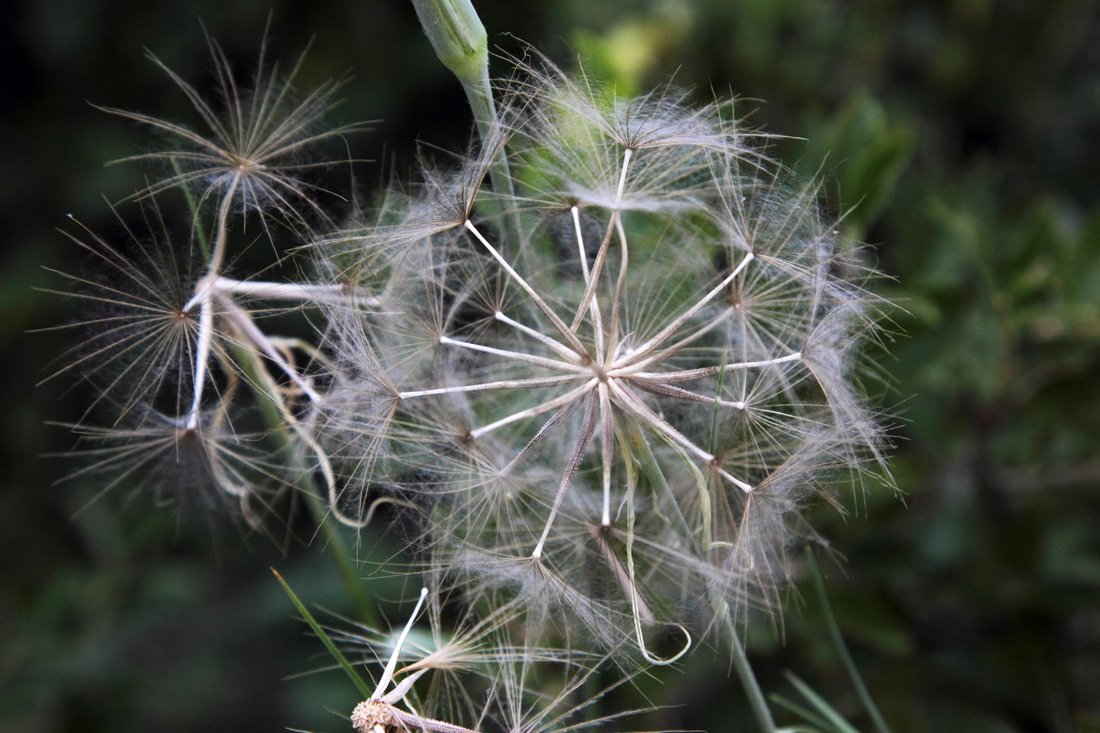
[604,386]
[622,381]
[254,150]
[134,338]
[171,341]
[474,676]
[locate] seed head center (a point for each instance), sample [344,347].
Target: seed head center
[373,716]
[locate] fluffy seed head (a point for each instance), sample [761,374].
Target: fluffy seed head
[621,382]
[135,337]
[254,144]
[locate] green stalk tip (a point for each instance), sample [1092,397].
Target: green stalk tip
[457,35]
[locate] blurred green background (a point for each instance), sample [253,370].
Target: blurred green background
[959,138]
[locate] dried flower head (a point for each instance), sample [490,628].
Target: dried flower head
[135,337]
[175,344]
[255,148]
[621,382]
[474,677]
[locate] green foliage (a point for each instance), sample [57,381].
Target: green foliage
[862,153]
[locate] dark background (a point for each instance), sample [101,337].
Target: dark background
[959,137]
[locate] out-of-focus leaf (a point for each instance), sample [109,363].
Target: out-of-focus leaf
[863,153]
[824,714]
[634,48]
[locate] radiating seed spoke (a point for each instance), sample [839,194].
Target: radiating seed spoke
[542,304]
[593,280]
[669,390]
[588,426]
[537,409]
[502,384]
[681,375]
[635,406]
[668,331]
[556,346]
[556,419]
[672,350]
[561,366]
[606,451]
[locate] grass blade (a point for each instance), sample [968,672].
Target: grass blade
[842,649]
[340,658]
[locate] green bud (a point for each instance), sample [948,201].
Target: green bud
[457,35]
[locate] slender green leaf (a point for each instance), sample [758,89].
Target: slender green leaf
[835,721]
[340,658]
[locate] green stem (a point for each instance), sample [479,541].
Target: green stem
[193,206]
[652,471]
[842,649]
[459,39]
[263,387]
[750,685]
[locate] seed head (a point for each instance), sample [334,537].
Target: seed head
[255,144]
[135,336]
[627,397]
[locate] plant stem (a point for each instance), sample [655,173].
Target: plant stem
[192,205]
[748,682]
[459,39]
[647,462]
[263,387]
[842,649]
